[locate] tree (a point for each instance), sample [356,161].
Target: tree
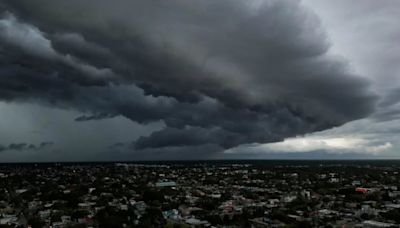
[36,223]
[152,218]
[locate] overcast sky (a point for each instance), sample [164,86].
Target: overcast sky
[177,79]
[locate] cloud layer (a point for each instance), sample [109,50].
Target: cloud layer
[329,144]
[221,73]
[25,146]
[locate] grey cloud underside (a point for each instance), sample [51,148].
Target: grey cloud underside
[215,72]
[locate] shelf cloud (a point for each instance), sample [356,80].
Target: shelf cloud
[221,73]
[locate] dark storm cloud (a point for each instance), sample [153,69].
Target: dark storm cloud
[215,72]
[18,146]
[389,106]
[25,146]
[97,116]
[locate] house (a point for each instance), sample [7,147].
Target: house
[373,224]
[165,184]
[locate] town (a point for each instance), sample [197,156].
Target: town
[199,195]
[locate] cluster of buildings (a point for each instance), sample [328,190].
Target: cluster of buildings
[199,195]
